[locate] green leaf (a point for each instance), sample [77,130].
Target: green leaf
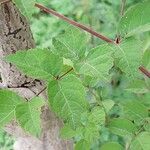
[135,20]
[128,56]
[108,104]
[141,142]
[97,116]
[146,59]
[138,86]
[71,44]
[8,102]
[92,123]
[97,63]
[111,146]
[82,145]
[28,115]
[67,132]
[135,110]
[122,127]
[67,98]
[26,7]
[37,63]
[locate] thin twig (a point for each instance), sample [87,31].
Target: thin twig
[144,71]
[65,73]
[74,23]
[41,91]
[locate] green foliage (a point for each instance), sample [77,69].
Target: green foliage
[95,88]
[9,101]
[136,20]
[26,7]
[128,56]
[135,110]
[71,44]
[28,115]
[111,146]
[67,98]
[122,127]
[141,142]
[97,63]
[40,65]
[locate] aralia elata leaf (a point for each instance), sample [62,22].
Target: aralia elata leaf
[97,63]
[71,44]
[67,98]
[37,63]
[28,115]
[26,7]
[8,102]
[135,20]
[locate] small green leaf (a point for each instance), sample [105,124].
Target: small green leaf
[128,57]
[141,142]
[26,7]
[146,59]
[28,115]
[37,63]
[135,110]
[82,145]
[111,146]
[108,104]
[97,63]
[67,98]
[8,103]
[67,132]
[138,86]
[97,116]
[122,127]
[135,20]
[71,44]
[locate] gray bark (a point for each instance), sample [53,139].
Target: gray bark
[15,34]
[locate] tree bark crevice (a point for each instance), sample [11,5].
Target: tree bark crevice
[15,34]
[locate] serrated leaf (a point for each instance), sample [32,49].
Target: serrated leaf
[71,44]
[8,102]
[28,115]
[135,110]
[67,98]
[37,63]
[111,146]
[97,63]
[26,7]
[122,127]
[138,86]
[135,20]
[128,56]
[141,142]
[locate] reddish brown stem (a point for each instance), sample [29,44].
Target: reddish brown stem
[144,71]
[74,23]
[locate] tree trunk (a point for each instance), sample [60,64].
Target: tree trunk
[15,34]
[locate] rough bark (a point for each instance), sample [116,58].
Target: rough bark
[15,34]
